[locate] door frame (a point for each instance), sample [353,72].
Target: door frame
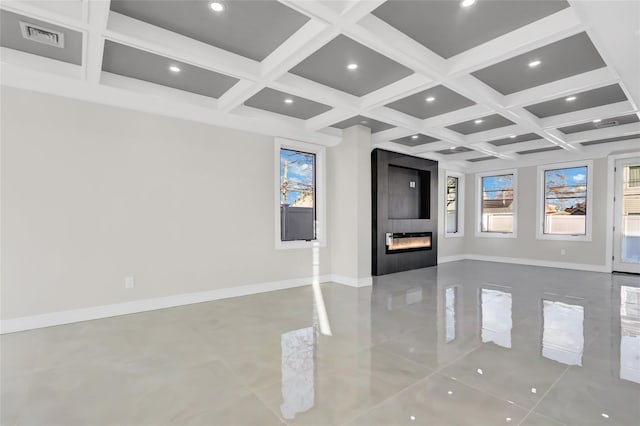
[611,207]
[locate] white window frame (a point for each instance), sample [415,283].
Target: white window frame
[479,232]
[540,203]
[321,224]
[459,201]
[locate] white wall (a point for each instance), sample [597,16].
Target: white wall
[93,193]
[349,183]
[526,246]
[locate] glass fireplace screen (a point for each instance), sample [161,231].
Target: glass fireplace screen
[408,241]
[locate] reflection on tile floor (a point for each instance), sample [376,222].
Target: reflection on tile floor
[465,343]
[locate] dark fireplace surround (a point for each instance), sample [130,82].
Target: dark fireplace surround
[404,212]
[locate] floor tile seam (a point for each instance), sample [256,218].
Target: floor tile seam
[374,406]
[544,396]
[253,393]
[269,408]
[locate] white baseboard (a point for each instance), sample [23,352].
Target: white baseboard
[536,262]
[446,259]
[352,282]
[96,312]
[144,305]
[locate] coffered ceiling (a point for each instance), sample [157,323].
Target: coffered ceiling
[490,84]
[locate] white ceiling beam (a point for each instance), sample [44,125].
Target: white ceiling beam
[97,16]
[303,43]
[614,28]
[585,115]
[383,38]
[28,61]
[156,90]
[522,146]
[299,46]
[432,147]
[44,81]
[329,118]
[391,134]
[490,150]
[143,36]
[489,135]
[397,118]
[607,132]
[458,116]
[238,94]
[547,30]
[577,83]
[299,86]
[400,89]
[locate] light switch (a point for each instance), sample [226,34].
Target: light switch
[412,184]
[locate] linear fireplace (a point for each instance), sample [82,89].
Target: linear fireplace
[404,199]
[403,242]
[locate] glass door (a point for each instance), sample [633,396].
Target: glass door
[626,248]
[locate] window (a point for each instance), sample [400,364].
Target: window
[564,209]
[497,204]
[298,183]
[297,195]
[633,178]
[454,217]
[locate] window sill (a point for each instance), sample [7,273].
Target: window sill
[291,245]
[496,235]
[562,237]
[454,235]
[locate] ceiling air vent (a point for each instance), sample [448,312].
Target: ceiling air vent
[42,35]
[603,124]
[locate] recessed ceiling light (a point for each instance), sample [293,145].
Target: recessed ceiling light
[467,3]
[452,148]
[352,66]
[364,122]
[570,98]
[173,68]
[535,63]
[414,137]
[597,120]
[478,121]
[216,6]
[605,415]
[512,136]
[288,101]
[430,99]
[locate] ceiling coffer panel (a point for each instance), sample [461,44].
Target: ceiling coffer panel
[588,99]
[330,66]
[130,62]
[565,58]
[481,124]
[252,29]
[285,104]
[447,29]
[14,27]
[431,102]
[415,140]
[600,123]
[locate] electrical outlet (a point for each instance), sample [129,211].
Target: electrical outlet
[129,282]
[563,252]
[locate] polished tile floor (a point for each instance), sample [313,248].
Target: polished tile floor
[467,342]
